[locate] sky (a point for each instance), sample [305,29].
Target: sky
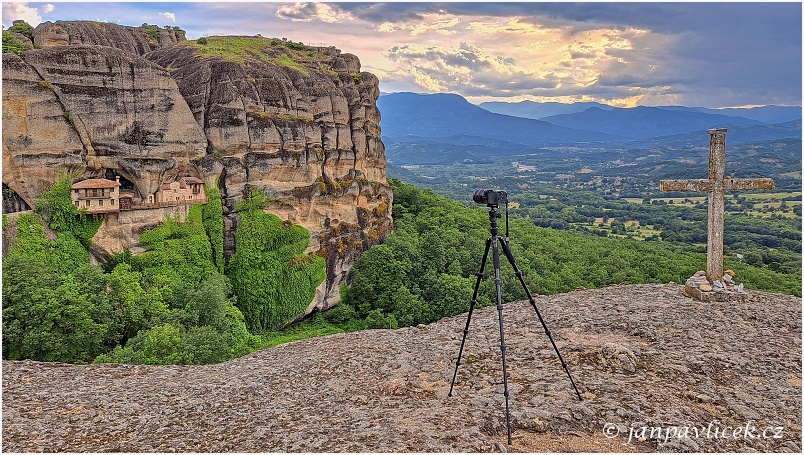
[725,54]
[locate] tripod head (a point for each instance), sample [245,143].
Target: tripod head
[494,215]
[493,199]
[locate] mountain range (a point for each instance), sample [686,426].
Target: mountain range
[534,110]
[422,129]
[441,115]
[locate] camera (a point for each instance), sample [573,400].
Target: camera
[490,197]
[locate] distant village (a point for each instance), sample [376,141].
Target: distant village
[100,196]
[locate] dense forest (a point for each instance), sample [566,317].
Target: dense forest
[180,303]
[176,303]
[425,269]
[764,230]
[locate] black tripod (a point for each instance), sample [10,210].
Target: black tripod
[494,242]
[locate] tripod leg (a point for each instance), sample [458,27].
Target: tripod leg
[498,285]
[507,250]
[472,303]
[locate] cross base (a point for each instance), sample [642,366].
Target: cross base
[700,289]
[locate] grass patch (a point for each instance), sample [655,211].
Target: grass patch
[316,327]
[284,60]
[239,49]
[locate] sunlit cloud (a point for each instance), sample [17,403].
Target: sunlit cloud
[21,11]
[312,11]
[511,57]
[171,16]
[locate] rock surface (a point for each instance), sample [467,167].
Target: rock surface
[643,356]
[85,109]
[134,40]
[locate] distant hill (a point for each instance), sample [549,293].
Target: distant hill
[736,135]
[534,110]
[446,129]
[443,115]
[765,114]
[644,122]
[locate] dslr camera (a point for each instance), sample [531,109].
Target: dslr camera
[490,197]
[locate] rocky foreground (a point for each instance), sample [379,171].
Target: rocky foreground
[658,371]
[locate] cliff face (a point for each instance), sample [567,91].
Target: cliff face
[297,122]
[300,124]
[133,40]
[92,108]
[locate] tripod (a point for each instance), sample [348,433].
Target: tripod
[494,242]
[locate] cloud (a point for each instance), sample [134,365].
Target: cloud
[21,11]
[311,11]
[47,8]
[466,68]
[171,16]
[491,56]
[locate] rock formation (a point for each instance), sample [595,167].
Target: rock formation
[133,40]
[643,356]
[299,123]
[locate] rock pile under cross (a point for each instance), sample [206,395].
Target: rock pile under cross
[714,285]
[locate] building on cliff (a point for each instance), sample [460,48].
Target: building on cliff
[96,195]
[186,190]
[105,196]
[101,99]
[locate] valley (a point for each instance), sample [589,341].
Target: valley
[610,187]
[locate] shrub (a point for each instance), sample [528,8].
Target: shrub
[13,45]
[23,28]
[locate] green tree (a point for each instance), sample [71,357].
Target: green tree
[136,306]
[55,318]
[23,28]
[14,45]
[272,277]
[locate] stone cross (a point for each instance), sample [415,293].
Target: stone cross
[716,185]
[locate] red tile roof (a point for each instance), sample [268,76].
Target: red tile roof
[94,183]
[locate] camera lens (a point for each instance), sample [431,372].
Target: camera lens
[480,196]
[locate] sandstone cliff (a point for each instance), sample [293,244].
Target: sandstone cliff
[134,40]
[297,122]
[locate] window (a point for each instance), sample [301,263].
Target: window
[94,192]
[76,191]
[196,189]
[86,203]
[112,202]
[76,203]
[100,203]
